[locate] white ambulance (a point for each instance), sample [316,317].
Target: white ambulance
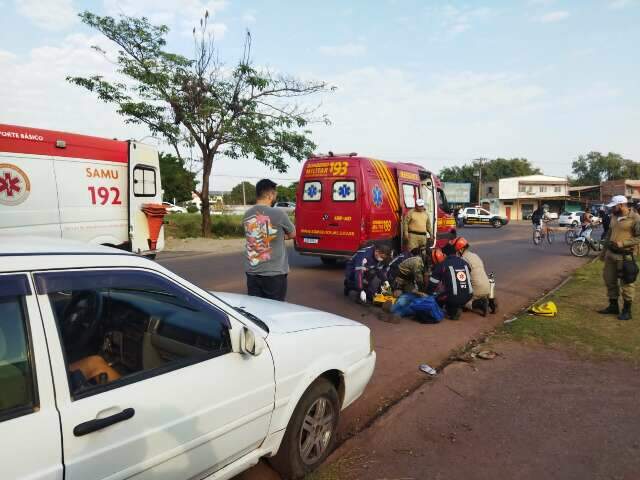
[80,187]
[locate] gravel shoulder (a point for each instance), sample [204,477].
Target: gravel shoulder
[532,412]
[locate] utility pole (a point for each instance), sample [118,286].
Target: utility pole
[480,162]
[244,196]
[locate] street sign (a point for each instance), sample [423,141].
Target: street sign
[457,192]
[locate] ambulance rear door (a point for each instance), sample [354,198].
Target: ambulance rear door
[429,193]
[144,188]
[409,188]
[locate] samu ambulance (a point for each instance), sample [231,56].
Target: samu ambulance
[344,202]
[80,187]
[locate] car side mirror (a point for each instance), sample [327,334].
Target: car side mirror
[250,343]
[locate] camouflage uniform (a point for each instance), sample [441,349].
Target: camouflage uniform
[410,276]
[627,231]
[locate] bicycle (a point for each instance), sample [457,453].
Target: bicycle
[540,233]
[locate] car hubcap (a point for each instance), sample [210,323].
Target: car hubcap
[317,430]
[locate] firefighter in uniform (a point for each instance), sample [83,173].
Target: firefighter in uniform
[416,227]
[479,278]
[453,277]
[620,247]
[366,271]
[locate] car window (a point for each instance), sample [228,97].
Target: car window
[312,191]
[471,211]
[121,326]
[344,191]
[484,212]
[17,386]
[144,181]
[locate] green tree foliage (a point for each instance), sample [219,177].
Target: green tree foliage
[235,196]
[492,170]
[594,167]
[177,182]
[236,110]
[288,193]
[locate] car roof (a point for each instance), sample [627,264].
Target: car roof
[34,245]
[32,253]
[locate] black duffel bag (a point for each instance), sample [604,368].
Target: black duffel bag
[630,270]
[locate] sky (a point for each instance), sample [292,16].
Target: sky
[437,83]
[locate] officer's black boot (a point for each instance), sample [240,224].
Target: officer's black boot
[612,309]
[626,311]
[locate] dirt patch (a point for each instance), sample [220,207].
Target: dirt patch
[532,412]
[204,245]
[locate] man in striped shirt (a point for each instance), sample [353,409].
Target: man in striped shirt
[452,279]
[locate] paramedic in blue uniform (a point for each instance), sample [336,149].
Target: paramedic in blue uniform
[452,277]
[366,271]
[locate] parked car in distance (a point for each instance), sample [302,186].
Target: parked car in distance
[112,366]
[480,216]
[171,208]
[289,207]
[570,219]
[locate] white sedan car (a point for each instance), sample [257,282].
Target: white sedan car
[112,367]
[570,219]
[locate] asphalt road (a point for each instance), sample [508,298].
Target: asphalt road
[523,272]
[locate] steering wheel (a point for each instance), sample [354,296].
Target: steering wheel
[81,318]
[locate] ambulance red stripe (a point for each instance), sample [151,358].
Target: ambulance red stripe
[35,141]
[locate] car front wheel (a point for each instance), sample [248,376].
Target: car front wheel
[311,431]
[497,223]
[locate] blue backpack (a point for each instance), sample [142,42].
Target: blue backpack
[427,310]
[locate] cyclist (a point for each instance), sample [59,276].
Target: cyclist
[540,218]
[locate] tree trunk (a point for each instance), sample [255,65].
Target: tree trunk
[204,196]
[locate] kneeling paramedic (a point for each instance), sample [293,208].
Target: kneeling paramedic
[619,256]
[366,271]
[453,276]
[482,286]
[409,276]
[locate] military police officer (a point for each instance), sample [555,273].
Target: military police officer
[416,226]
[620,247]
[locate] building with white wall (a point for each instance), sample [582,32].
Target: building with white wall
[518,197]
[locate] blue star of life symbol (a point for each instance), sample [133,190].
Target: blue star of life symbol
[344,191]
[312,191]
[377,196]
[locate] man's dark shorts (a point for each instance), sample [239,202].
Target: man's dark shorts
[273,286]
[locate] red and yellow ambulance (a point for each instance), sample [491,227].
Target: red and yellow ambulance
[347,201]
[80,187]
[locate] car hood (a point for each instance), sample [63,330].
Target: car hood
[283,317]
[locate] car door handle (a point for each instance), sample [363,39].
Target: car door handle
[100,423]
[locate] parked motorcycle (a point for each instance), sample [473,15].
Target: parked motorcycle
[584,243]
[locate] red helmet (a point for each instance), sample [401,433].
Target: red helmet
[459,243]
[437,256]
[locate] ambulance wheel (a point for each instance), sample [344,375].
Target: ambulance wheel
[328,260]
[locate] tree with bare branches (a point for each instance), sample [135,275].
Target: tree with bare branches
[238,112]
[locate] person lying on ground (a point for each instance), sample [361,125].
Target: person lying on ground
[366,271]
[479,278]
[453,275]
